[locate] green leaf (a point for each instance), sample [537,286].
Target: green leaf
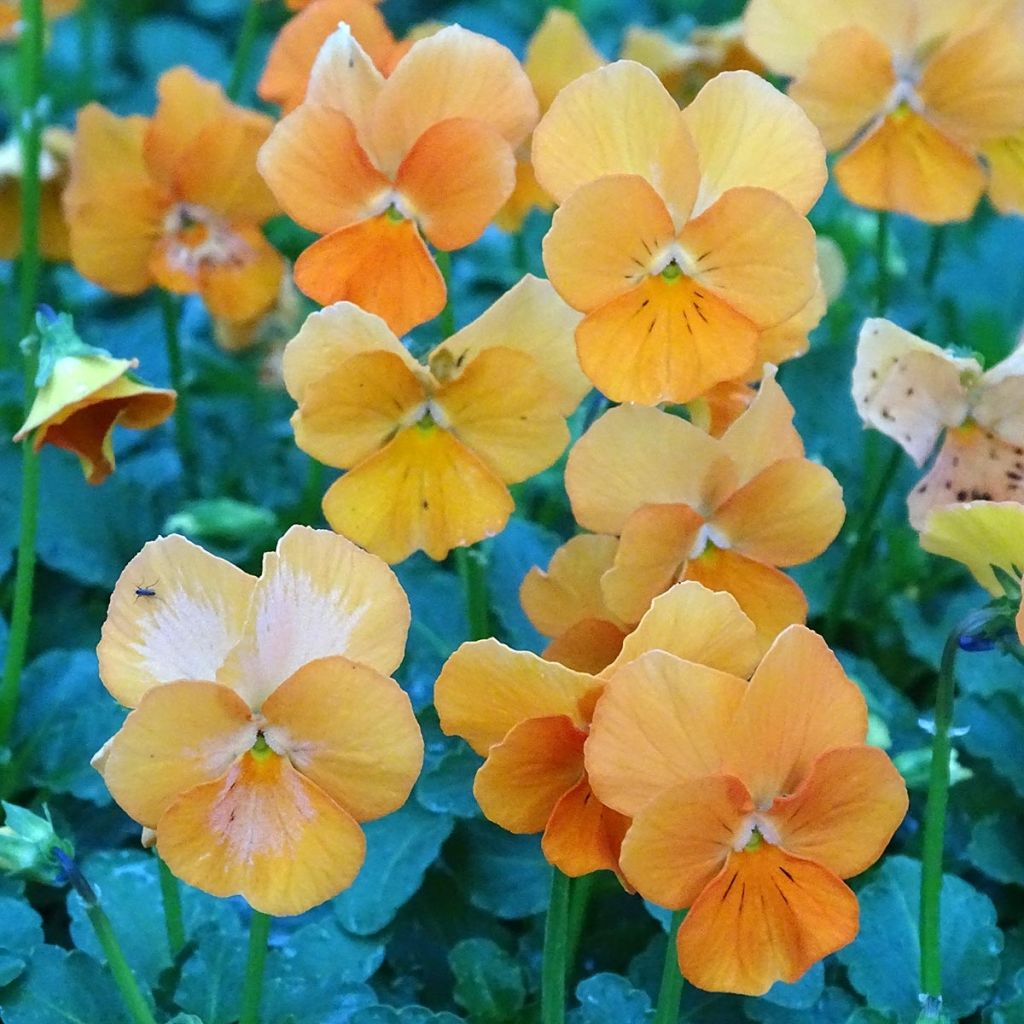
[445,785]
[800,995]
[997,848]
[406,1015]
[21,928]
[995,731]
[399,849]
[833,1006]
[10,968]
[61,988]
[884,959]
[489,984]
[211,978]
[611,999]
[504,874]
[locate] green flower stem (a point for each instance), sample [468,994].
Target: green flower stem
[936,248]
[252,991]
[555,968]
[170,308]
[312,493]
[863,538]
[30,56]
[935,820]
[882,263]
[173,919]
[447,318]
[87,46]
[581,890]
[251,24]
[471,564]
[134,1001]
[671,991]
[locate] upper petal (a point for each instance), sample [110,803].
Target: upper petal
[318,595]
[184,630]
[486,688]
[558,52]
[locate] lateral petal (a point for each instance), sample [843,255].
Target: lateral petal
[583,835]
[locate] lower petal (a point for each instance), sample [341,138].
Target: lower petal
[423,491]
[244,290]
[766,917]
[265,832]
[583,835]
[380,264]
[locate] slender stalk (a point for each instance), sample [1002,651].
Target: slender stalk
[520,254]
[471,564]
[936,248]
[312,493]
[882,263]
[581,890]
[555,968]
[671,991]
[864,537]
[935,821]
[252,990]
[132,997]
[447,318]
[251,24]
[170,308]
[173,918]
[30,56]
[87,46]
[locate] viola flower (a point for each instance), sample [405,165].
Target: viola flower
[175,200]
[533,724]
[981,535]
[265,726]
[291,58]
[716,250]
[10,15]
[54,243]
[725,511]
[430,449]
[371,162]
[567,604]
[753,819]
[82,394]
[912,391]
[911,93]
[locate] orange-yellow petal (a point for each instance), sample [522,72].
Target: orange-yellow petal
[787,514]
[245,287]
[318,170]
[659,722]
[583,835]
[845,813]
[799,704]
[264,832]
[380,264]
[519,686]
[526,195]
[589,645]
[180,736]
[748,133]
[766,917]
[350,730]
[317,596]
[558,52]
[907,165]
[502,407]
[528,772]
[455,179]
[184,630]
[424,491]
[683,837]
[1005,159]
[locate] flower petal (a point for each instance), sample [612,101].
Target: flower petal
[683,837]
[558,52]
[243,290]
[748,133]
[351,731]
[528,772]
[845,813]
[583,835]
[424,490]
[659,722]
[264,832]
[181,735]
[767,917]
[1005,159]
[379,264]
[589,645]
[800,704]
[515,686]
[184,630]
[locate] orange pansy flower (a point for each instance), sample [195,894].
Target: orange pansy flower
[567,604]
[532,726]
[724,511]
[430,449]
[265,726]
[10,14]
[175,200]
[291,58]
[83,393]
[911,91]
[54,243]
[752,819]
[716,250]
[371,162]
[912,391]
